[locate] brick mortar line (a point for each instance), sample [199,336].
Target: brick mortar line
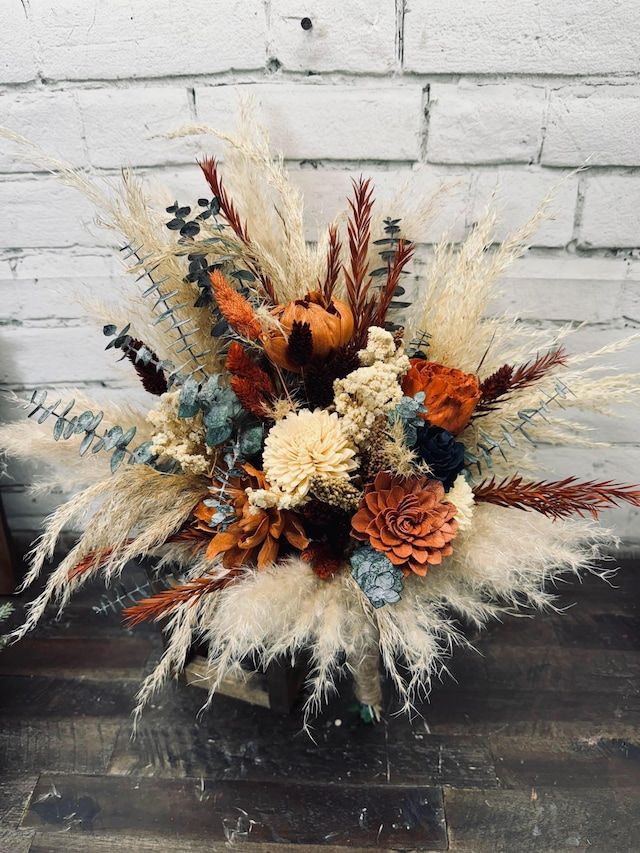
[296,165]
[263,76]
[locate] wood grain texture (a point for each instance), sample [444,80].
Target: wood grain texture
[205,810]
[543,819]
[534,748]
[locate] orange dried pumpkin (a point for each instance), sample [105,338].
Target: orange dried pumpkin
[330,327]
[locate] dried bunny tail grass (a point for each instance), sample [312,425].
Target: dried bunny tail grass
[133,499]
[129,213]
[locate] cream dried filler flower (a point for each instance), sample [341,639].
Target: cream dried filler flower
[180,439]
[302,446]
[373,389]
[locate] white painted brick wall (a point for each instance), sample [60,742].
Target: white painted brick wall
[492,97]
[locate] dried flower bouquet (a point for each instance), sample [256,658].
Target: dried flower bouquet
[322,464]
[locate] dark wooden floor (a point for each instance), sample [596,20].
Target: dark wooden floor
[535,747]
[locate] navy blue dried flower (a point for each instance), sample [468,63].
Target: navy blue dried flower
[442,453]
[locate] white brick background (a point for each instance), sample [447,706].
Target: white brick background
[491,95]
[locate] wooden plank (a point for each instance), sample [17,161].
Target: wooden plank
[279,813]
[577,670]
[64,656]
[82,745]
[375,758]
[456,709]
[15,791]
[543,819]
[578,762]
[237,741]
[41,697]
[99,843]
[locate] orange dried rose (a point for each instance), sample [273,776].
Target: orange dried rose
[330,328]
[407,520]
[257,534]
[451,394]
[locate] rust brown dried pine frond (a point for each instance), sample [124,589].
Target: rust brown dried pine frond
[163,603]
[359,231]
[559,498]
[508,379]
[92,560]
[210,170]
[401,257]
[334,265]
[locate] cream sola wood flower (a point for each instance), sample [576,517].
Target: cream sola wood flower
[304,445]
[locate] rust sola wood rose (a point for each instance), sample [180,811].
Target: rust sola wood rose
[451,395]
[409,520]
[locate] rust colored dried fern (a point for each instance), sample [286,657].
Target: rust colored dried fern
[163,603]
[359,231]
[210,170]
[92,560]
[559,498]
[334,265]
[508,379]
[402,255]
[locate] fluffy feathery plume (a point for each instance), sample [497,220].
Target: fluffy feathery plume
[251,383]
[235,309]
[559,498]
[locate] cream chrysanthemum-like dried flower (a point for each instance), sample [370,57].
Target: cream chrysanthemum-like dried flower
[305,444]
[180,439]
[461,496]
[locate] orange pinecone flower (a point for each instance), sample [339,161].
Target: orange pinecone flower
[407,520]
[257,534]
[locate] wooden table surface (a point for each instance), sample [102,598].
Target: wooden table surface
[532,744]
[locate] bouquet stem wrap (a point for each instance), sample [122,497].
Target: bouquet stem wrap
[365,667]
